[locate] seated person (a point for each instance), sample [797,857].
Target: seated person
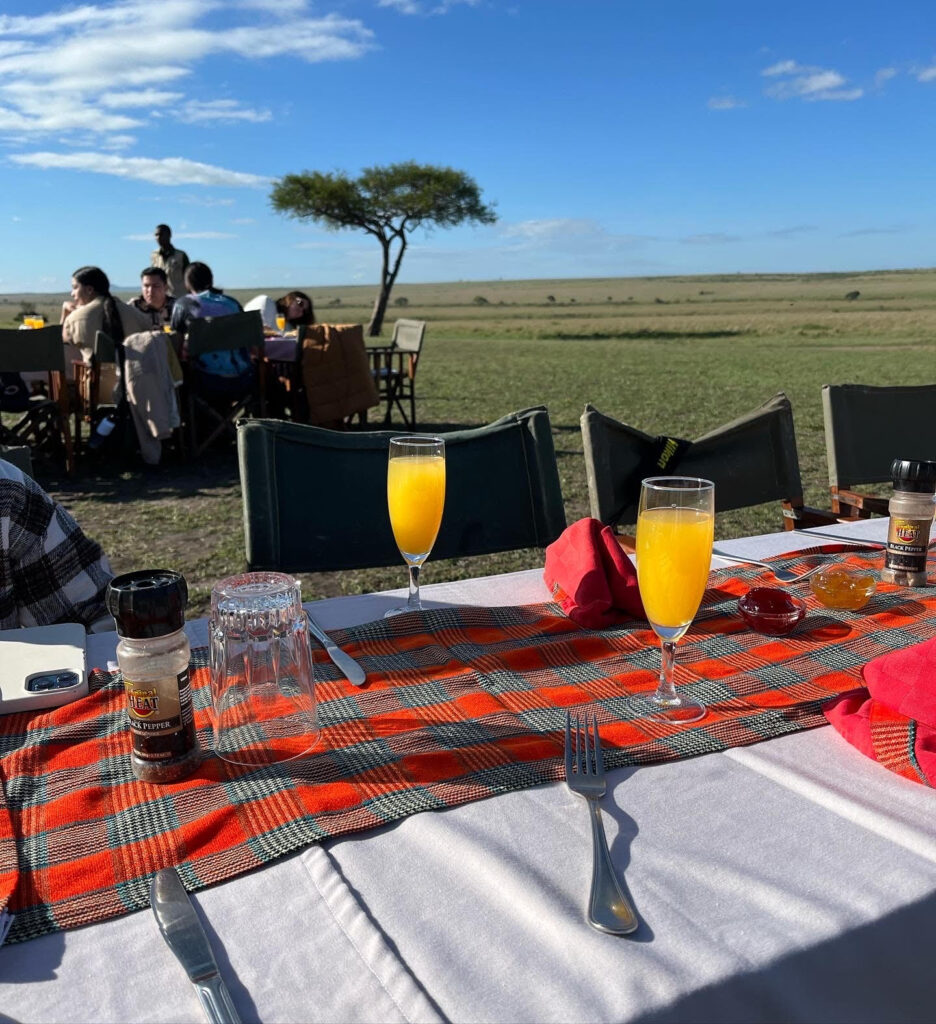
[154,298]
[295,307]
[94,309]
[49,570]
[221,374]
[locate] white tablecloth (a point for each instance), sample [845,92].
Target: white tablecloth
[794,880]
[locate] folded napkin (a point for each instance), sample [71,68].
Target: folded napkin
[591,578]
[893,721]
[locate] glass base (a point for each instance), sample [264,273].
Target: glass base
[680,710]
[401,609]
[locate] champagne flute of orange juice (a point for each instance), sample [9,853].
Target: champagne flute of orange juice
[675,529]
[415,498]
[280,323]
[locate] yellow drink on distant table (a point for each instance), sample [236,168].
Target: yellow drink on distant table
[281,323]
[674,552]
[415,497]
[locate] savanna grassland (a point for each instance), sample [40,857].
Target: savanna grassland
[674,355]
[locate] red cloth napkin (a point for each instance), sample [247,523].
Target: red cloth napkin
[591,578]
[894,720]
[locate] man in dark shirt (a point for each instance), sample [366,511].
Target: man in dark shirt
[154,298]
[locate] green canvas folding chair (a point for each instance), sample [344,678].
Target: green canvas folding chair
[316,499]
[394,368]
[43,425]
[222,334]
[752,460]
[866,428]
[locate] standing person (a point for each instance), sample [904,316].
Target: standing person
[173,261]
[154,298]
[49,570]
[220,374]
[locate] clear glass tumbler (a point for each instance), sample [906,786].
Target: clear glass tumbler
[262,687]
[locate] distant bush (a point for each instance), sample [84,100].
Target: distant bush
[401,301]
[851,296]
[334,302]
[550,298]
[480,300]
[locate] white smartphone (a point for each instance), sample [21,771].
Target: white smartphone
[42,667]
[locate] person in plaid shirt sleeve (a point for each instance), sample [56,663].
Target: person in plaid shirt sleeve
[49,570]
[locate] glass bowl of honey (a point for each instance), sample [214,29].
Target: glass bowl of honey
[843,586]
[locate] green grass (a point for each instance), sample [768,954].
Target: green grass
[709,350]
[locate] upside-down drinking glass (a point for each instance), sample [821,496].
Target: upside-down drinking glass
[415,499]
[675,529]
[263,693]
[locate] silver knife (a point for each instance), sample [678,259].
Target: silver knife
[185,936]
[860,541]
[350,669]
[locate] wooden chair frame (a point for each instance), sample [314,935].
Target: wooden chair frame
[394,368]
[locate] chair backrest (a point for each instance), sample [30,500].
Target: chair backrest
[19,455]
[224,333]
[105,351]
[866,428]
[752,460]
[31,351]
[408,335]
[316,499]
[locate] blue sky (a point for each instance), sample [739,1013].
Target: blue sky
[615,137]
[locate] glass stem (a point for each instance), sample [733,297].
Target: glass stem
[666,691]
[412,602]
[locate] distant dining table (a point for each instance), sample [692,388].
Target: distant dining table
[786,880]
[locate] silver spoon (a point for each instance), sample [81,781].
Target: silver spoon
[783,575]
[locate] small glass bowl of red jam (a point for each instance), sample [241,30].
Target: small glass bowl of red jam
[843,586]
[771,610]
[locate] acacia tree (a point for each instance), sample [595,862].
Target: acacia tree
[387,202]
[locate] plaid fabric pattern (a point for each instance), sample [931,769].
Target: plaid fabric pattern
[461,704]
[49,570]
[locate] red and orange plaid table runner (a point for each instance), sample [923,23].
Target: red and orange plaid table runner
[461,704]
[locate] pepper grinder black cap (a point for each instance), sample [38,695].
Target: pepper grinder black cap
[147,603]
[914,475]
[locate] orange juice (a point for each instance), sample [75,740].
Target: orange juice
[415,497]
[281,323]
[674,552]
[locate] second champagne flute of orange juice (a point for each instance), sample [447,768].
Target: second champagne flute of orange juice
[415,499]
[675,528]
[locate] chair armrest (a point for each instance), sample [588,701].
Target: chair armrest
[798,516]
[860,506]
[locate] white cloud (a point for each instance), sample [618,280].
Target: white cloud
[138,98]
[167,171]
[81,68]
[422,7]
[244,220]
[799,81]
[203,235]
[927,74]
[220,110]
[725,103]
[569,234]
[883,75]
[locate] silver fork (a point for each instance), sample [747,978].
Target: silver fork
[608,908]
[783,575]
